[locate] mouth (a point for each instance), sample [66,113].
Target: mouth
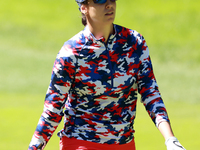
[109,13]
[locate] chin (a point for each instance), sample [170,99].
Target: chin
[109,21]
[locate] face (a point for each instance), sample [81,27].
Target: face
[100,14]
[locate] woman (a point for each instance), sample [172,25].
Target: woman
[96,76]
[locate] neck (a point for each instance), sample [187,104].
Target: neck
[101,31]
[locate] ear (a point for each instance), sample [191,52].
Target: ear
[84,9]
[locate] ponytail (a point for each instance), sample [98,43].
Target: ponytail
[84,20]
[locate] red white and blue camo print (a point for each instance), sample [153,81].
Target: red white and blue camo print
[97,83]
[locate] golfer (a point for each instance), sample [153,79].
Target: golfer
[94,84]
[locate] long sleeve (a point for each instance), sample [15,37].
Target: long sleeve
[148,88]
[56,96]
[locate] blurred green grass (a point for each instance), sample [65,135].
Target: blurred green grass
[32,32]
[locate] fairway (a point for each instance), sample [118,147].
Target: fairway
[32,33]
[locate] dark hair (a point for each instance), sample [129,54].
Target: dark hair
[84,20]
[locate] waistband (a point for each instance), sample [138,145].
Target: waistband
[75,144]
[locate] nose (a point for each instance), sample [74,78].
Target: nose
[109,4]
